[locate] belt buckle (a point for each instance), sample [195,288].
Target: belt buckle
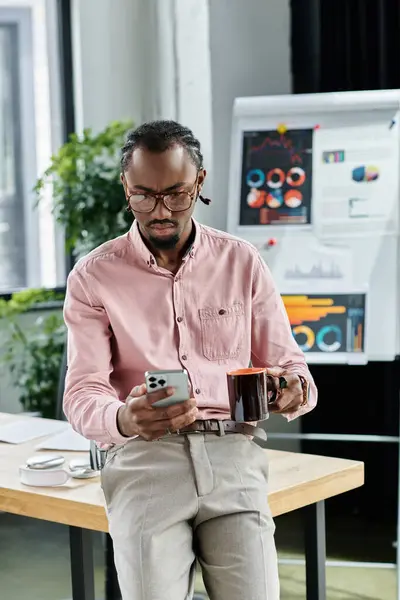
[207,425]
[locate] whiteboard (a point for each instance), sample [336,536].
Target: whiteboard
[314,185]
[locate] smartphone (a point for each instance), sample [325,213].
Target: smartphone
[157,380]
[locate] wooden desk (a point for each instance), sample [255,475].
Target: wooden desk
[296,481]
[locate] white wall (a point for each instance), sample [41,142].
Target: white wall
[108,59]
[143,60]
[250,56]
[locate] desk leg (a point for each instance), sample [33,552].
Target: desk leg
[112,587]
[315,551]
[82,568]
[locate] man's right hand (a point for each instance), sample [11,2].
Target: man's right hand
[139,417]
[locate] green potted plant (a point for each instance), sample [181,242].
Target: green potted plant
[32,353]
[88,198]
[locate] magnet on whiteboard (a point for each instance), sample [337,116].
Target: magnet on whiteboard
[317,127]
[270,243]
[281,128]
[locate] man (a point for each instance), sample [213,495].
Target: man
[182,482]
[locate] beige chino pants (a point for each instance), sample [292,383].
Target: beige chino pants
[186,497]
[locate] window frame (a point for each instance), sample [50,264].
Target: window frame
[21,18]
[39,35]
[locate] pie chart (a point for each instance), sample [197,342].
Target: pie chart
[255,178]
[255,198]
[275,199]
[293,198]
[365,174]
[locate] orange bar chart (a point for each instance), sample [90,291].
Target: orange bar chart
[327,323]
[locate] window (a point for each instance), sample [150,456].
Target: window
[31,245]
[12,244]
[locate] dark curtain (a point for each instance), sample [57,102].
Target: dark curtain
[348,45]
[341,45]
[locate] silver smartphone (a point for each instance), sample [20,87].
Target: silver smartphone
[158,380]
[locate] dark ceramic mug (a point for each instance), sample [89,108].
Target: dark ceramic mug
[248,395]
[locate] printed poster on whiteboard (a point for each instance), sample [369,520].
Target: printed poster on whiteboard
[356,180]
[329,328]
[277,170]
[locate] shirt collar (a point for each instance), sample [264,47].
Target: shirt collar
[142,250]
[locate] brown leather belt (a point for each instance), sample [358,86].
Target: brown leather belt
[223,427]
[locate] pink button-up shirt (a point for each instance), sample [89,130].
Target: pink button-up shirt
[125,315]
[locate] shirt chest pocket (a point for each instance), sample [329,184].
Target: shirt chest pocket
[222,331]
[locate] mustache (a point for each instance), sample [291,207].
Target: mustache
[161,222]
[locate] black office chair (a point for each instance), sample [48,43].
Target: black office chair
[111,585]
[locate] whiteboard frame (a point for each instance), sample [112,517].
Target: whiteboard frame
[279,109]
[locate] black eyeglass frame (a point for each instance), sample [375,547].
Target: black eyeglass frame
[162,195]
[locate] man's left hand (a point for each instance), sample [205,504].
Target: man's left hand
[288,390]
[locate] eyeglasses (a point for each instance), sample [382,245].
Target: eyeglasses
[173,201]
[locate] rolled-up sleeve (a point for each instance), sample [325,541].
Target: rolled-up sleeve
[272,342]
[90,402]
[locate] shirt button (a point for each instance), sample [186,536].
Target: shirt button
[197,391]
[222,311]
[152,261]
[179,319]
[184,357]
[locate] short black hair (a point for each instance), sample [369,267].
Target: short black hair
[159,136]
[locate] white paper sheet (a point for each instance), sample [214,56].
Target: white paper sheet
[67,440]
[355,180]
[304,263]
[26,430]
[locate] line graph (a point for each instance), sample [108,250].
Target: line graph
[282,143]
[317,271]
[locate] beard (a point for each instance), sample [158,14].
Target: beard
[168,243]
